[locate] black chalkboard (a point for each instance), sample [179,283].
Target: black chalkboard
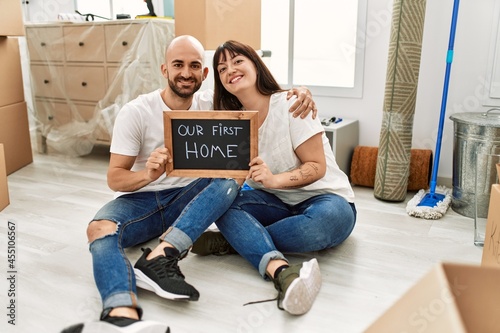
[210,143]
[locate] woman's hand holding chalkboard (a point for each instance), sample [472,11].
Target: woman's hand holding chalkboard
[156,163]
[259,172]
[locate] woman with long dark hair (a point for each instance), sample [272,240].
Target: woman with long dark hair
[301,201]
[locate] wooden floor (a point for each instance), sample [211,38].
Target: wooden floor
[53,199]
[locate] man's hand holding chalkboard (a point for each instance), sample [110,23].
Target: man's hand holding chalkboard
[157,162]
[213,144]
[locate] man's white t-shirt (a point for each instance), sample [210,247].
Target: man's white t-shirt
[138,131]
[279,136]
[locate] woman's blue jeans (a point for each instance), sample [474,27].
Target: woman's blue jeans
[142,216]
[261,227]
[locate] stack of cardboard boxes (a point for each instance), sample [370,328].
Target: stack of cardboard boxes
[15,142]
[491,249]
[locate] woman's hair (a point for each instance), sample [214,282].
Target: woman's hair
[266,84]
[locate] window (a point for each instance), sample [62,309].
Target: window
[316,43]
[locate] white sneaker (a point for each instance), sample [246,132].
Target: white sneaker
[140,326]
[298,286]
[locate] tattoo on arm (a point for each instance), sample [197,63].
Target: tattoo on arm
[314,167]
[306,171]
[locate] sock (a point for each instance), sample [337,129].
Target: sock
[278,270]
[171,252]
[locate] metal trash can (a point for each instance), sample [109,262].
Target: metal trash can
[476,133]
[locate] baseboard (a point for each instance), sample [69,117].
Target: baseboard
[445,181]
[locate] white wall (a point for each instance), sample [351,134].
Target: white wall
[48,10]
[466,80]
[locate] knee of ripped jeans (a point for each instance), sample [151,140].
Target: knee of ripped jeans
[100,229]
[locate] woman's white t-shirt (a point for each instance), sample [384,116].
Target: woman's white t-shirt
[279,136]
[138,131]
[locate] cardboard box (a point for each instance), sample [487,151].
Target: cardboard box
[491,247]
[450,298]
[213,22]
[15,136]
[4,190]
[11,18]
[11,78]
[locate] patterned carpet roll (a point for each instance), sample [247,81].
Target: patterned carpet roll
[364,164]
[393,160]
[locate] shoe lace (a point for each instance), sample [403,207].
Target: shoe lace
[219,247]
[278,298]
[281,284]
[167,265]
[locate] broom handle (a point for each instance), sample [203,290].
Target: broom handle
[449,60]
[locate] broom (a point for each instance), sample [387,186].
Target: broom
[434,204]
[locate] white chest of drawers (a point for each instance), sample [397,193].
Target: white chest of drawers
[78,69]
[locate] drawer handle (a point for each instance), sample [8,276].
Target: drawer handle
[43,44]
[81,44]
[50,117]
[84,84]
[46,81]
[124,43]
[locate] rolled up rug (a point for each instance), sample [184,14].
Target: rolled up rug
[405,45]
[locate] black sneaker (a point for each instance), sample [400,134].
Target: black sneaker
[118,325]
[298,286]
[162,276]
[212,242]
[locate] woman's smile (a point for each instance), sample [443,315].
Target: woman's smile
[236,79]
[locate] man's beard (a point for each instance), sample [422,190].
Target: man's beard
[181,94]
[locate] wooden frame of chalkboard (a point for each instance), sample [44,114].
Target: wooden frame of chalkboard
[213,144]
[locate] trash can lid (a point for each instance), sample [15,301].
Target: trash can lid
[490,118]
